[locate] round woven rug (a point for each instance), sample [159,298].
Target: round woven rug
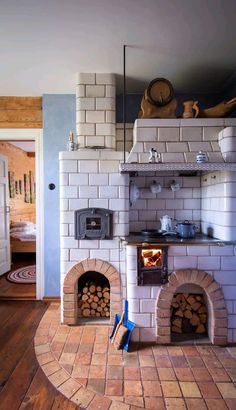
[26,274]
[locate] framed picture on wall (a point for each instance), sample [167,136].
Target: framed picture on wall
[12,191]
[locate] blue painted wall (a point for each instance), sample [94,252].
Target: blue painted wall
[58,120]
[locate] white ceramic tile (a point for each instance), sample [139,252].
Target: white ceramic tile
[67,242]
[78,179]
[80,90]
[89,244]
[177,251]
[68,192]
[95,116]
[105,78]
[85,78]
[99,179]
[222,250]
[67,217]
[156,122]
[172,157]
[80,117]
[75,204]
[192,203]
[209,262]
[110,91]
[88,166]
[85,103]
[64,178]
[68,166]
[88,192]
[64,204]
[195,146]
[145,134]
[147,335]
[123,192]
[177,147]
[64,229]
[105,103]
[64,255]
[141,320]
[168,134]
[109,243]
[229,292]
[228,262]
[138,292]
[134,305]
[147,305]
[185,262]
[109,166]
[86,129]
[78,254]
[99,203]
[105,129]
[95,90]
[225,277]
[174,204]
[100,254]
[110,116]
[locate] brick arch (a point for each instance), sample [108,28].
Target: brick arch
[70,289]
[217,313]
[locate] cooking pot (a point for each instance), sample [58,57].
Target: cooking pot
[186,229]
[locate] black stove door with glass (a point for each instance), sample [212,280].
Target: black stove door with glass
[152,265]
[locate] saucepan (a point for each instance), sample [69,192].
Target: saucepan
[186,229]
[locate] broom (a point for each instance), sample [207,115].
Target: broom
[119,334]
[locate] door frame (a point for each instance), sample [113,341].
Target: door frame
[35,134]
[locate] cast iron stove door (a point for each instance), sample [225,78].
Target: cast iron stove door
[93,223]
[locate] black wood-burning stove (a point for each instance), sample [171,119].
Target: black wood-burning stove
[152,265]
[93,223]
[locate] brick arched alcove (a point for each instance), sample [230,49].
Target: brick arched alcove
[70,290]
[217,322]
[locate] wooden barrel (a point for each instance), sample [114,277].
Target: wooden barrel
[160,92]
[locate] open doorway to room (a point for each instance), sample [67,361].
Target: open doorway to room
[23,280]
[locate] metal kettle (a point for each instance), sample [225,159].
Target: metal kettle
[166,224]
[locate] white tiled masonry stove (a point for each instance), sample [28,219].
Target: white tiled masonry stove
[91,178]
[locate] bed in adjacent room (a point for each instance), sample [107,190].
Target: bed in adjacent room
[23,237]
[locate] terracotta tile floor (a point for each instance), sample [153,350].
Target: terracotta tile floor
[83,365]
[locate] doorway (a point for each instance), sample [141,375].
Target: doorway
[30,186]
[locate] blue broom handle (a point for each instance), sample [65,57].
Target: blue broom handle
[125,312]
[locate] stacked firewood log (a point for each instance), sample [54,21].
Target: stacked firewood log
[189,313]
[94,301]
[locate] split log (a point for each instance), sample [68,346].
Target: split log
[179,313]
[177,322]
[84,298]
[200,329]
[188,314]
[86,312]
[176,329]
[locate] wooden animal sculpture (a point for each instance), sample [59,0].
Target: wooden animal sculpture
[158,101]
[220,110]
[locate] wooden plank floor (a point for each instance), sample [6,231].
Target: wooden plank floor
[23,384]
